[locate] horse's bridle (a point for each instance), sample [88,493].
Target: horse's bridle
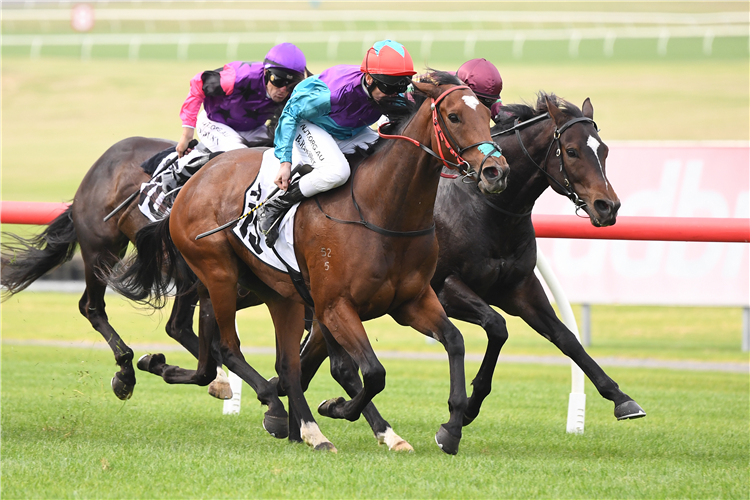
[566,186]
[444,137]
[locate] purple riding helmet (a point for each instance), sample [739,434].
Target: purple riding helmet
[285,65]
[484,79]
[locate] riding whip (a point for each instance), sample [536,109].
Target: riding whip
[301,169]
[130,198]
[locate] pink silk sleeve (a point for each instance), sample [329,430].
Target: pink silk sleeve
[192,105]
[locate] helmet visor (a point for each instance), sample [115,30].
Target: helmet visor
[391,85]
[280,78]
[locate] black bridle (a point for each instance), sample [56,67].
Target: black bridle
[566,186]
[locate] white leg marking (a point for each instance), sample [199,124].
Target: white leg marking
[594,145]
[394,441]
[311,435]
[471,101]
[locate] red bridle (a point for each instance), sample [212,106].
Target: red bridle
[439,135]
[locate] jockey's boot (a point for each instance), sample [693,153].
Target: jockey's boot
[273,211]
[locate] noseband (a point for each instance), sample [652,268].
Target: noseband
[443,137]
[566,186]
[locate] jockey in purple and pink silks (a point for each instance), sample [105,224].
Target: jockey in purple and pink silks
[329,115]
[237,100]
[484,79]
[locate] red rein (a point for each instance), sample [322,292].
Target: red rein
[438,134]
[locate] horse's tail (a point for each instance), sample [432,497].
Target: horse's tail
[26,260]
[157,267]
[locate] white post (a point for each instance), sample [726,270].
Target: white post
[586,324]
[746,329]
[232,406]
[577,400]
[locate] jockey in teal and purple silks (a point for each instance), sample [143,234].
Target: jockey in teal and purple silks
[327,116]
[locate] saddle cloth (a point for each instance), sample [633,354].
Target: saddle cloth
[247,229]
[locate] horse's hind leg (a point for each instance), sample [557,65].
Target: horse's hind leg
[344,371]
[92,307]
[462,303]
[531,304]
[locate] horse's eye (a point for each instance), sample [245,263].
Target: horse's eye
[572,153]
[453,117]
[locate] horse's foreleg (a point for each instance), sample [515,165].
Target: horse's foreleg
[345,371]
[92,307]
[426,315]
[531,304]
[289,320]
[462,303]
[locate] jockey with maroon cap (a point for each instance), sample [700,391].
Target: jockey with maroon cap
[484,79]
[327,116]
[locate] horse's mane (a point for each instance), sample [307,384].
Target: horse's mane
[523,112]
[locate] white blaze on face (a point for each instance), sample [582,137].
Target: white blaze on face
[471,101]
[594,145]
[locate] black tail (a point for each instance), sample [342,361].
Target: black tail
[157,267]
[26,260]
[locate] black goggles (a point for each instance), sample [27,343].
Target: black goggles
[395,87]
[281,79]
[487,101]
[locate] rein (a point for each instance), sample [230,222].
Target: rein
[443,137]
[567,188]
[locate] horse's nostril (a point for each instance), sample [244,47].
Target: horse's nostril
[603,207]
[490,173]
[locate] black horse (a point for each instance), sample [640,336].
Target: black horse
[488,247]
[110,181]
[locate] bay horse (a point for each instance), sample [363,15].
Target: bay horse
[380,264]
[554,144]
[115,176]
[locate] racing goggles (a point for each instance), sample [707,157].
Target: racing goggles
[487,101]
[391,85]
[280,78]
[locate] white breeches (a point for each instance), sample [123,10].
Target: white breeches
[219,137]
[316,147]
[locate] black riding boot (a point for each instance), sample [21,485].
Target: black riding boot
[273,211]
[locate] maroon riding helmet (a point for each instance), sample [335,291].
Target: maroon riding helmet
[483,78]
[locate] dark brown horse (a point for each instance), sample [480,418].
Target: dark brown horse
[488,249]
[366,271]
[115,176]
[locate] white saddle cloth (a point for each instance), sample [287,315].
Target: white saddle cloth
[247,229]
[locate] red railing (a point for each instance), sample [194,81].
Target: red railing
[546,226]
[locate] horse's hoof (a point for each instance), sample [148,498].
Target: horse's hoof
[278,427]
[326,407]
[147,361]
[220,390]
[326,446]
[402,446]
[122,390]
[629,409]
[447,441]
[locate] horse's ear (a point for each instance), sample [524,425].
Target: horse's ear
[427,88]
[554,111]
[588,109]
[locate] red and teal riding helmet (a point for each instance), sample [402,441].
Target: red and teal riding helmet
[390,66]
